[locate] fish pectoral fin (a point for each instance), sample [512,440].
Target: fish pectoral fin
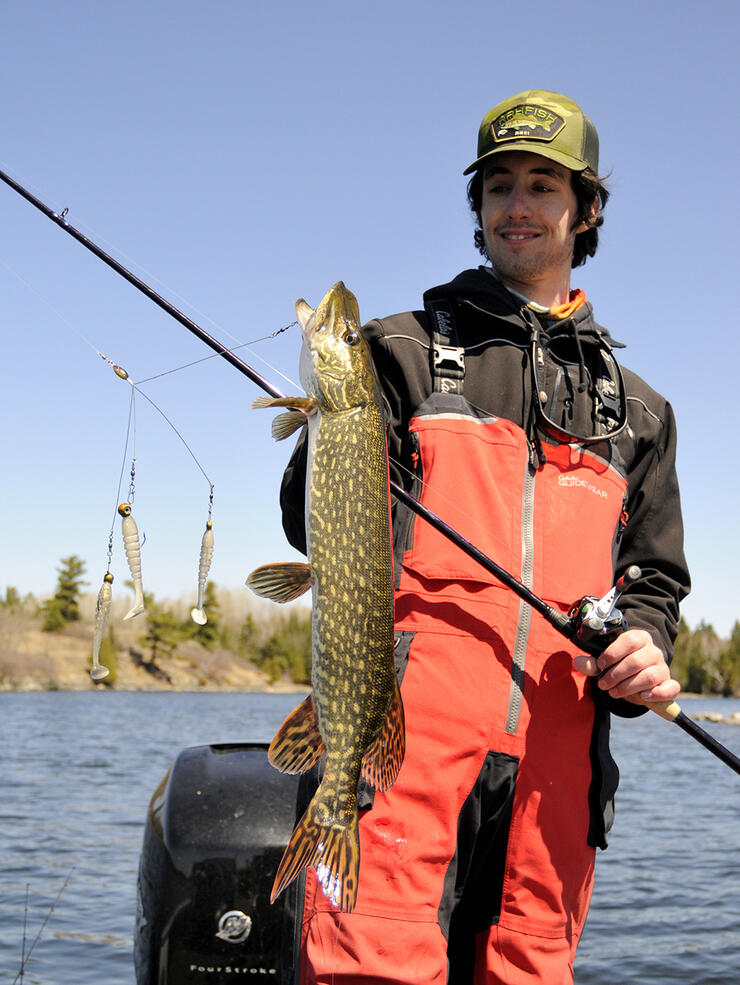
[299,410]
[281,582]
[382,761]
[286,424]
[306,405]
[332,848]
[297,744]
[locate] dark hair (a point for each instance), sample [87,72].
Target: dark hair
[587,187]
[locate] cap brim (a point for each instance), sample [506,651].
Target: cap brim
[531,147]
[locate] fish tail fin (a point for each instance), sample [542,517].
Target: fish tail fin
[199,616]
[382,761]
[332,848]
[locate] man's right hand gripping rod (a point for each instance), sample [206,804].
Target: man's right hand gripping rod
[595,623]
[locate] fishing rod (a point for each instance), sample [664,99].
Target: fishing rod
[590,623]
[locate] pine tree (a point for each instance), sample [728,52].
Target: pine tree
[728,663]
[288,649]
[63,608]
[249,635]
[164,631]
[12,600]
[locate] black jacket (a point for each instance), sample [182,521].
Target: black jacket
[496,330]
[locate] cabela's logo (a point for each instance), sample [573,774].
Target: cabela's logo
[526,120]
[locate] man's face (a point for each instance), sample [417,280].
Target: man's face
[528,209]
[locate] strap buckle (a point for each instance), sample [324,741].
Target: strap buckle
[449,359]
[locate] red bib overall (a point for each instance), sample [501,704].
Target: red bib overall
[479,851]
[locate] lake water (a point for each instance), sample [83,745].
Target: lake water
[79,769]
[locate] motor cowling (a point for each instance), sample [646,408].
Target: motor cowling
[216,829]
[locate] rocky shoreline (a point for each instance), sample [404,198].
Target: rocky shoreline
[31,660]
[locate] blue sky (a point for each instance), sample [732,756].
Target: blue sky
[241,155]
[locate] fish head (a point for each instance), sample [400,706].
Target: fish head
[336,366]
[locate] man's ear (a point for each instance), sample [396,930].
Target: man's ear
[590,221]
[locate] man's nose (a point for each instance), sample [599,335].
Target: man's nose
[518,205]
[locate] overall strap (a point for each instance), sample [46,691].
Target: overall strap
[447,356]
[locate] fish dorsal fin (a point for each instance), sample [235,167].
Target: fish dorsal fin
[282,581]
[384,757]
[297,744]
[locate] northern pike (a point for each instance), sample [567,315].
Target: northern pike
[354,714]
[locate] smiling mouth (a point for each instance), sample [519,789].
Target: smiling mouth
[519,237]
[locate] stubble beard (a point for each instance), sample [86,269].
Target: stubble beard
[523,270]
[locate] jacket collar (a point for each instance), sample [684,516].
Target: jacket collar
[480,289]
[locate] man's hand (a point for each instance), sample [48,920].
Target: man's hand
[633,668]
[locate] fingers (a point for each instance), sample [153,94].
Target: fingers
[587,665]
[632,667]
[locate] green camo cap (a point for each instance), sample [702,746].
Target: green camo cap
[540,122]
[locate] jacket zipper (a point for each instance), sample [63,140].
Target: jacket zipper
[521,640]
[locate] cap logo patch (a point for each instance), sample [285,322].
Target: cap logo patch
[526,122]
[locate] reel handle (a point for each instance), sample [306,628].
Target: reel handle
[597,622]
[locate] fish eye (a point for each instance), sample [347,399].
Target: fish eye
[351,337]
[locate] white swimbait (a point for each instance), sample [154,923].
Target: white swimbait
[206,556]
[133,556]
[102,608]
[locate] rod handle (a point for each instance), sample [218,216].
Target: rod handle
[670,710]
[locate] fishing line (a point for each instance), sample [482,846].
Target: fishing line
[26,955]
[86,228]
[215,355]
[131,416]
[132,544]
[49,305]
[121,373]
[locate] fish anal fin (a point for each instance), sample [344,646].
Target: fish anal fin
[281,582]
[382,761]
[333,849]
[297,744]
[288,423]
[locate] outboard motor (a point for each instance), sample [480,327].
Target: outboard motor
[217,827]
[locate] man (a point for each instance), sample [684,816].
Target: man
[509,417]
